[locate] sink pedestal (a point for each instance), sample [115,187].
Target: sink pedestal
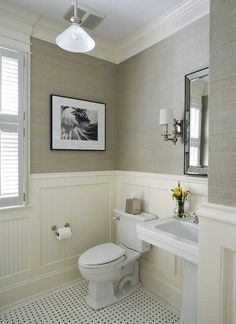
[179,238]
[189,294]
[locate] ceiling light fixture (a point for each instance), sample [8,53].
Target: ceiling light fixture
[74,38]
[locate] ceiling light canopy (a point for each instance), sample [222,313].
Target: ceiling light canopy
[75,38]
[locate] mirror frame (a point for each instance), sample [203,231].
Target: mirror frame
[191,170]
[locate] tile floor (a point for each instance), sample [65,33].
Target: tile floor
[67,305]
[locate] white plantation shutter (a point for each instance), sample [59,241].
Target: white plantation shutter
[11,128]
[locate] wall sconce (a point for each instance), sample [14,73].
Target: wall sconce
[166,118]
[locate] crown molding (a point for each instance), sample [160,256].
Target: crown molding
[175,19]
[19,25]
[48,31]
[15,26]
[16,15]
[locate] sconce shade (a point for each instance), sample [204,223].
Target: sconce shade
[166,116]
[75,39]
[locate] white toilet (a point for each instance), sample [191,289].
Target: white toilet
[113,270]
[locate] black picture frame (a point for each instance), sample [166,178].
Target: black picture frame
[77,124]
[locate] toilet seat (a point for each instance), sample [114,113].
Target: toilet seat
[102,255]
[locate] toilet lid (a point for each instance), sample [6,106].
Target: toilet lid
[101,254]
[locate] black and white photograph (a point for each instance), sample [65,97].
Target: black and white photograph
[77,124]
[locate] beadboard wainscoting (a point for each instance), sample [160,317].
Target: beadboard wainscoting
[161,271]
[31,258]
[217,273]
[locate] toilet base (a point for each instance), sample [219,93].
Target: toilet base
[96,305]
[105,293]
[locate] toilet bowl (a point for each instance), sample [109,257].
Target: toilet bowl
[114,276]
[112,270]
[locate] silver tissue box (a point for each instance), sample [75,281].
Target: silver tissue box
[133,206]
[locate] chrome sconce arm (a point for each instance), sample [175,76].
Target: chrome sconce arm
[166,117]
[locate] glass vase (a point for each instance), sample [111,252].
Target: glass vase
[179,210]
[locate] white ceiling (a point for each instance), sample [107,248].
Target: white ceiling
[123,17]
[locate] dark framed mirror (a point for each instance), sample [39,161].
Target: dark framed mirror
[196,123]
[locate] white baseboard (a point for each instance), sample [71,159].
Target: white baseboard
[161,288]
[33,287]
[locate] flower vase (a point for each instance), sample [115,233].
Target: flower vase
[179,210]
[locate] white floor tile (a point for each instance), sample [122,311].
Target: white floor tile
[67,305]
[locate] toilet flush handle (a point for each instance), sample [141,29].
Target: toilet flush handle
[116,218]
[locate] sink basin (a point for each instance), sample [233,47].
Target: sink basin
[176,236]
[181,230]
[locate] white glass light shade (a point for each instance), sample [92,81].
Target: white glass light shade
[166,116]
[75,39]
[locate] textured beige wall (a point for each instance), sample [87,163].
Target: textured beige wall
[152,80]
[140,86]
[74,75]
[222,103]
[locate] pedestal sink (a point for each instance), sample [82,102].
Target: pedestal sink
[181,238]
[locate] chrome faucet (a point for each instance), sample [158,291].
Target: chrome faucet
[195,218]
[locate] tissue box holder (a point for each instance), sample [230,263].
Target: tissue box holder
[133,206]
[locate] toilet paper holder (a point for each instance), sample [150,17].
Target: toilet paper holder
[54,228]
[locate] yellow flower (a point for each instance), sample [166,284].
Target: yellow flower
[176,192]
[179,193]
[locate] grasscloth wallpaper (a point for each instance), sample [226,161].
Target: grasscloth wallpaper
[222,103]
[152,80]
[56,71]
[134,92]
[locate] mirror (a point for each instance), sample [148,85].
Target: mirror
[196,123]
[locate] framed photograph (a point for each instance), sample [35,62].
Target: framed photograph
[77,124]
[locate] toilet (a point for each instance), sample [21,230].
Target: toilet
[112,270]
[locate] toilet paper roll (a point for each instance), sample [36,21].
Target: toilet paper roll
[64,233]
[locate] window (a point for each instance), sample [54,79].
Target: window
[195,136]
[12,117]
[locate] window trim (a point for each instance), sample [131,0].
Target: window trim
[23,88]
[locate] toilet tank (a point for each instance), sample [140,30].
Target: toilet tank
[126,232]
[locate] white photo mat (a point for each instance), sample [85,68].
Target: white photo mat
[77,124]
